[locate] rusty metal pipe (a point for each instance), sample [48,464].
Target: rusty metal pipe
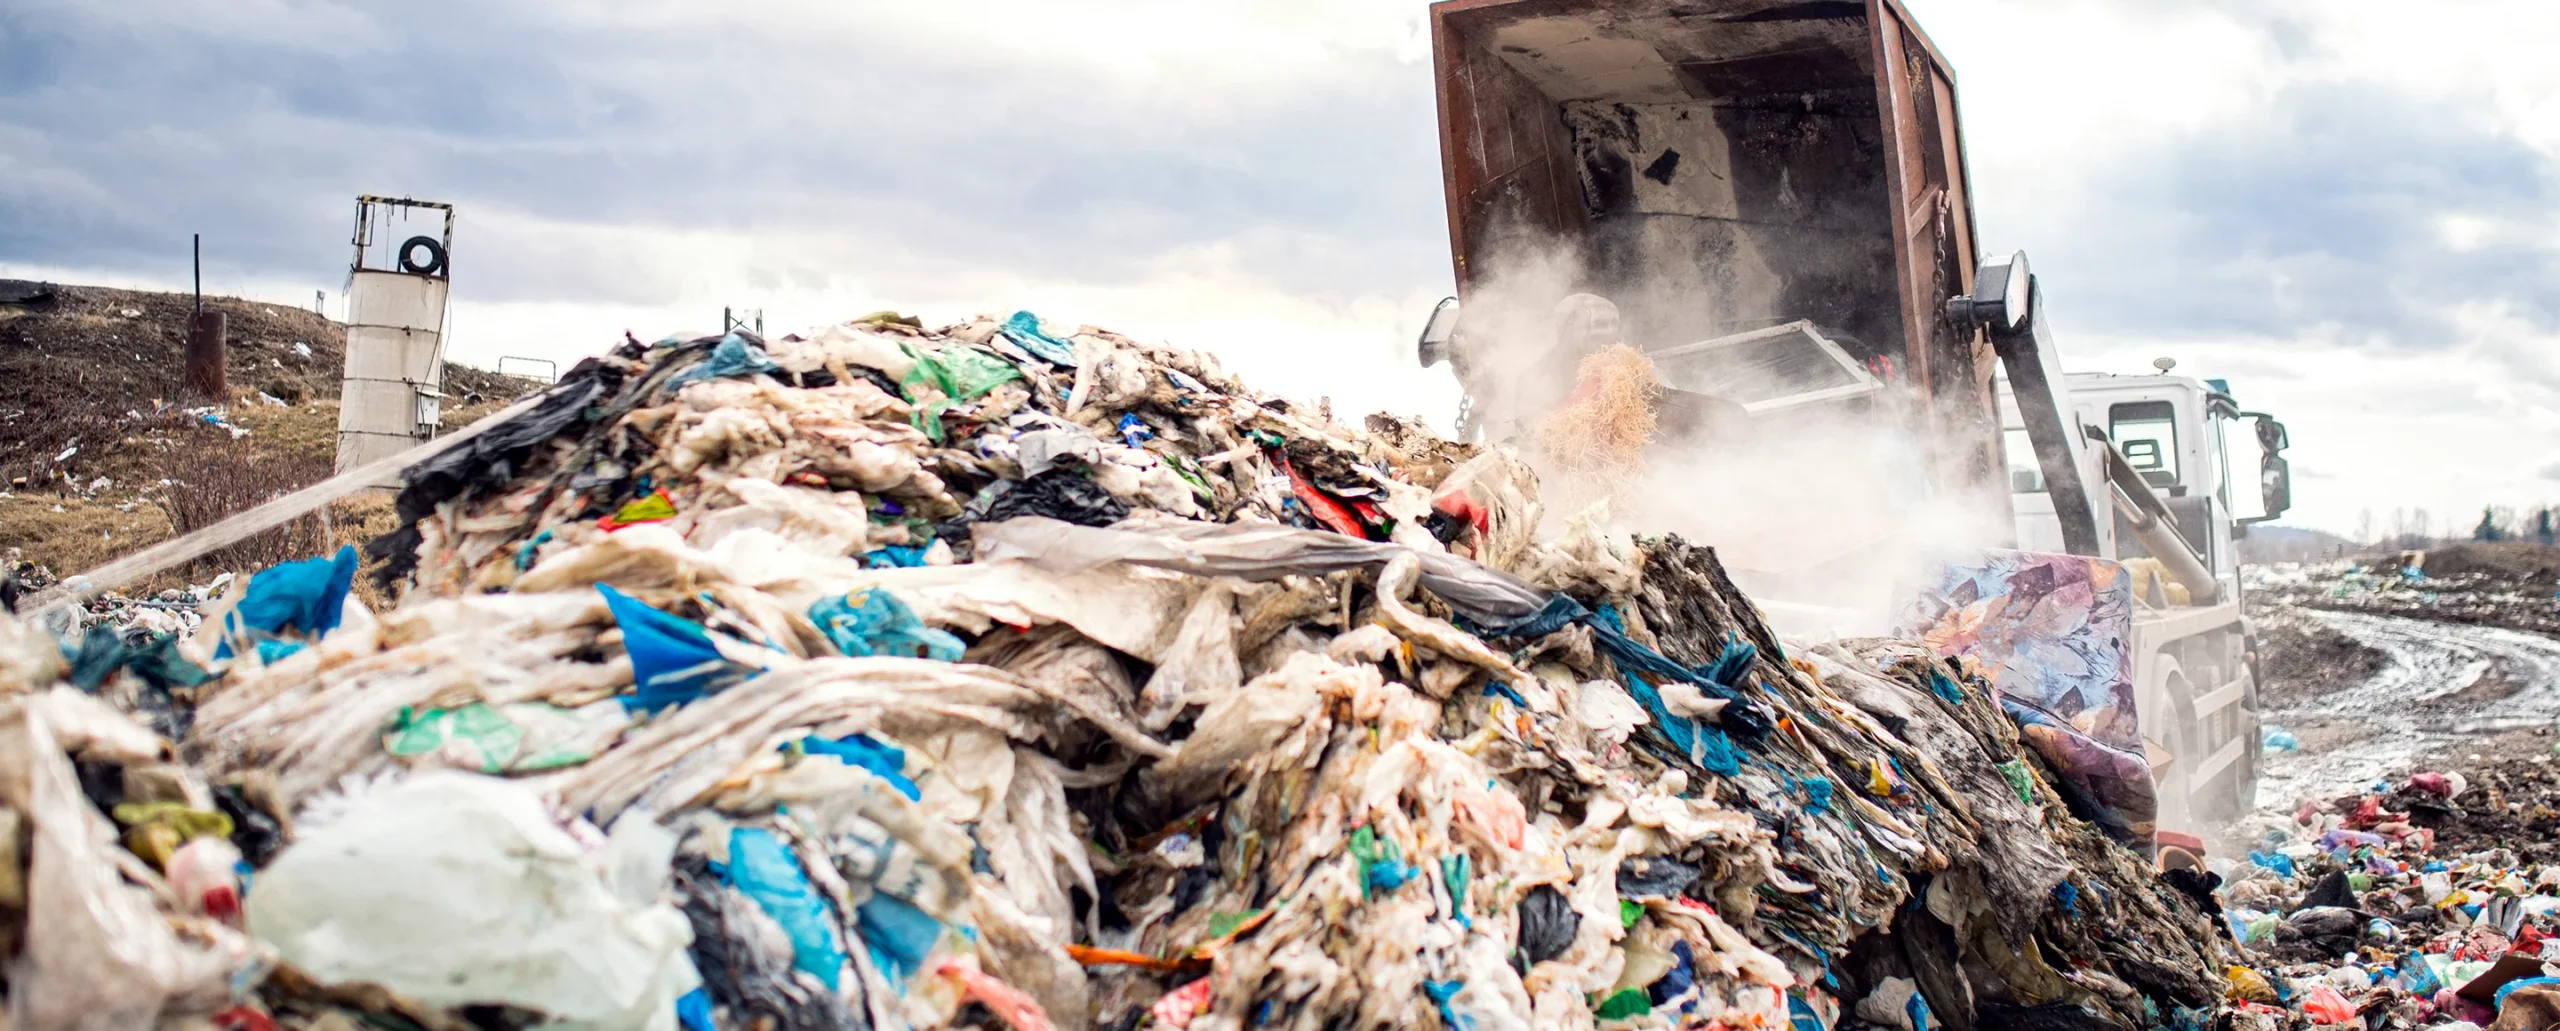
[208,337]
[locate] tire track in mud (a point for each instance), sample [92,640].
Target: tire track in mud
[2445,683]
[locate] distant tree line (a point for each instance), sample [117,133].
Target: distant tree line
[2503,523]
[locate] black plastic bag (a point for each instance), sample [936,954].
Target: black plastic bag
[1547,924]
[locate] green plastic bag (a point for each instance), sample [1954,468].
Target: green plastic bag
[523,737]
[959,373]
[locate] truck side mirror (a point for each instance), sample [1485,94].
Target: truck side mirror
[2275,484]
[1433,346]
[2271,435]
[2275,477]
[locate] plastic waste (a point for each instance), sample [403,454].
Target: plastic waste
[1647,877]
[2436,886]
[656,507]
[307,597]
[457,889]
[761,867]
[1547,924]
[1896,1003]
[673,660]
[1063,493]
[885,760]
[1039,451]
[2248,985]
[737,354]
[204,873]
[947,378]
[2324,1005]
[872,621]
[1025,332]
[2278,739]
[2442,785]
[1180,1006]
[2418,976]
[1280,746]
[156,661]
[104,957]
[518,737]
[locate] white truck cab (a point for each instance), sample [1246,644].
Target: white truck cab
[2195,692]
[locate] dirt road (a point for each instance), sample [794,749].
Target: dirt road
[2445,684]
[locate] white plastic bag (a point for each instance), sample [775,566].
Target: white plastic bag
[98,953]
[457,889]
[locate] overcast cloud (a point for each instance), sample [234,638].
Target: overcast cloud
[2343,208]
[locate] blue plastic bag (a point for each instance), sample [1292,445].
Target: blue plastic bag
[895,556]
[693,1011]
[1024,330]
[763,870]
[306,597]
[870,621]
[899,935]
[672,660]
[870,753]
[733,357]
[1684,974]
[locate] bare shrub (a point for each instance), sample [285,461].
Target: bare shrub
[215,478]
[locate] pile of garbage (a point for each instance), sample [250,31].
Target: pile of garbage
[2508,584]
[2424,901]
[1002,676]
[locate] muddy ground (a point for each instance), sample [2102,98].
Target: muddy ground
[2372,694]
[2301,658]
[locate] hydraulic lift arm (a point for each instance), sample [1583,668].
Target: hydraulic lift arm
[2004,303]
[2007,304]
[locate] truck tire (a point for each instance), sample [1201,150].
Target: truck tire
[2176,786]
[2244,788]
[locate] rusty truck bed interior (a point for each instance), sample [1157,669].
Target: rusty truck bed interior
[1720,163]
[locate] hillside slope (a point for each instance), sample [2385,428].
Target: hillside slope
[99,456]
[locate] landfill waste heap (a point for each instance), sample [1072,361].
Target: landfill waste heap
[2506,584]
[2428,900]
[1007,677]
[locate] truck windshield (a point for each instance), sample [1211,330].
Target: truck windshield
[2146,433]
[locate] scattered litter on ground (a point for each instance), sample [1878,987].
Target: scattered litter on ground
[2431,899]
[1012,676]
[2512,584]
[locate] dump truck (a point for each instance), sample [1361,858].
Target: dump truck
[1774,194]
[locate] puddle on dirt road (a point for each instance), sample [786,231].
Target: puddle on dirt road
[2445,683]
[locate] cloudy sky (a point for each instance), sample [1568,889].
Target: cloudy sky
[2343,208]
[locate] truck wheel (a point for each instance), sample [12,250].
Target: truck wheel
[2244,788]
[2176,785]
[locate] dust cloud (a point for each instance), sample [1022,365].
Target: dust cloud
[1824,514]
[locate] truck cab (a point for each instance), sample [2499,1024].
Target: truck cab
[2194,687]
[2174,431]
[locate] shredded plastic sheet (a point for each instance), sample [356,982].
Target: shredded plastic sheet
[1307,729]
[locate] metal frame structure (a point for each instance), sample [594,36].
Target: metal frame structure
[392,388]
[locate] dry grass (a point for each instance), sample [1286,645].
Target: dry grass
[219,478]
[72,534]
[310,428]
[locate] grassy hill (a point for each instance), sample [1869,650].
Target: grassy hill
[100,456]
